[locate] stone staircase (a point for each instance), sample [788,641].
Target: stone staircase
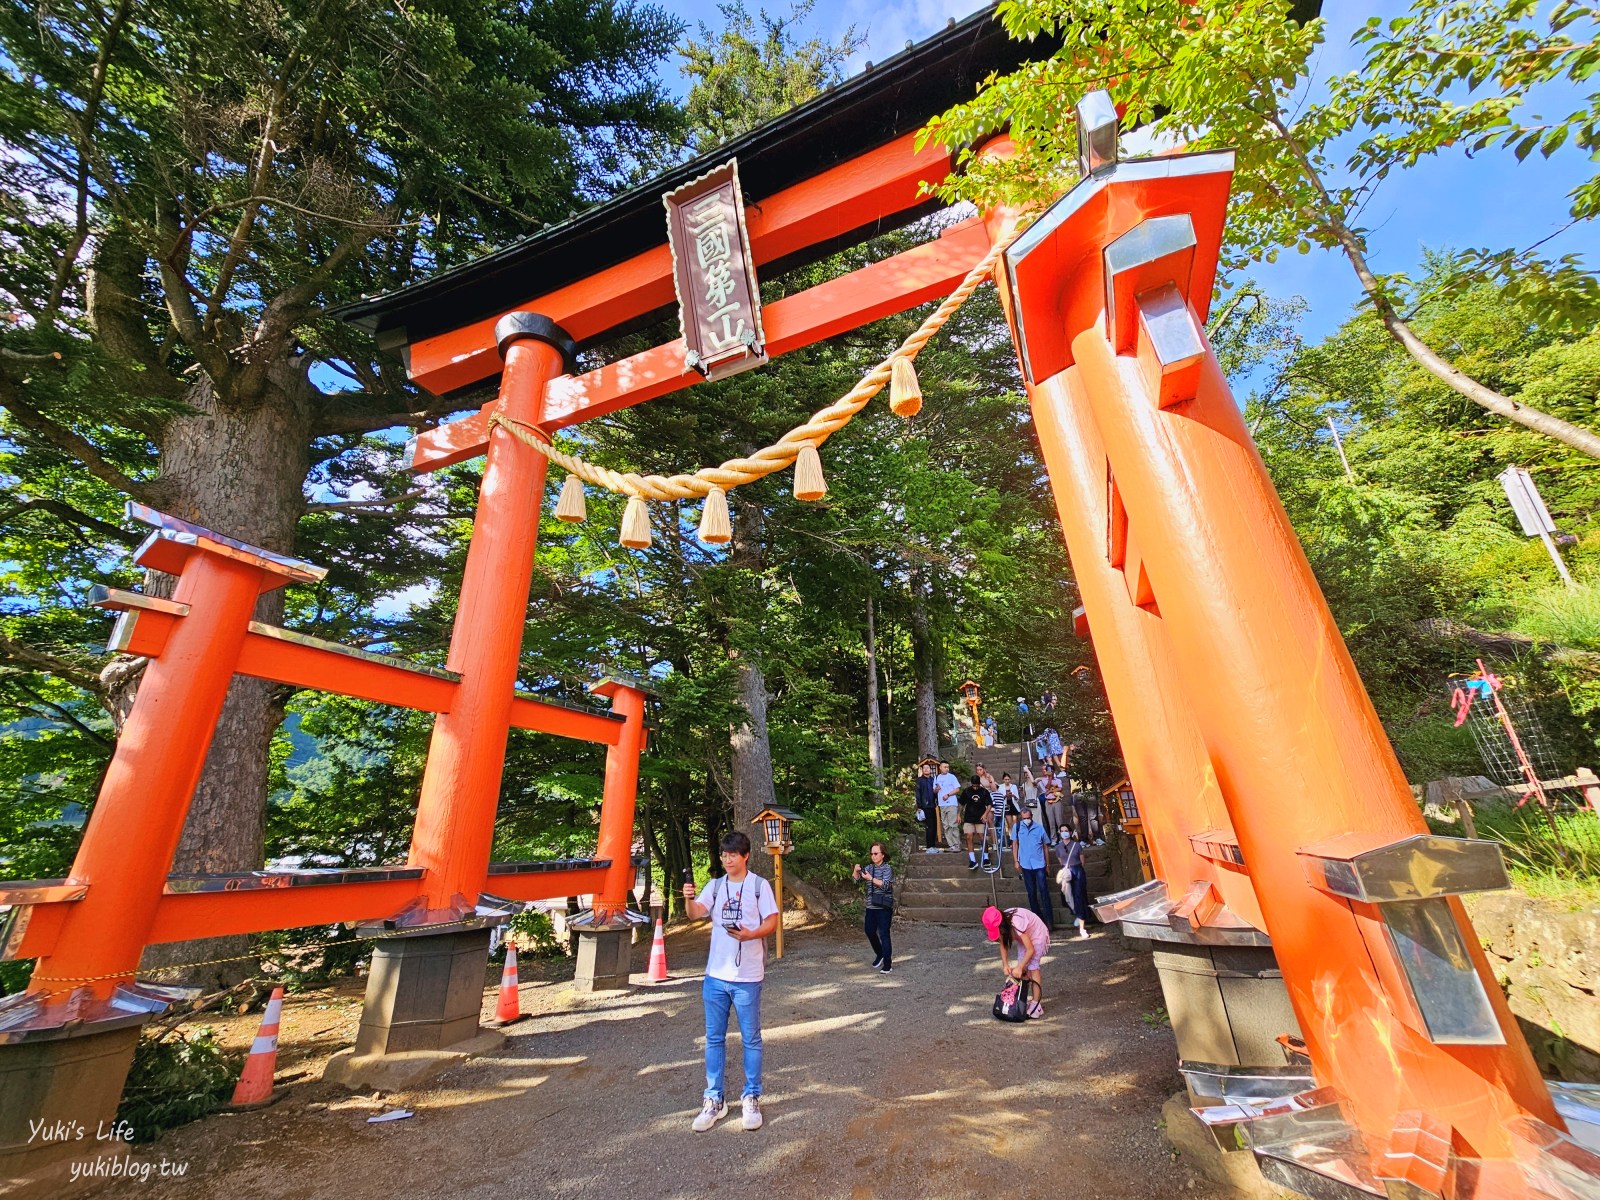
[940,889]
[1003,756]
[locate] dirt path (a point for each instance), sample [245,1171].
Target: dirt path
[895,1086]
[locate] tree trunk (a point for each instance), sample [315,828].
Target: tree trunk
[752,752]
[874,718]
[237,470]
[923,661]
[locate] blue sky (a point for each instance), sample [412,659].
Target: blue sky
[1490,201]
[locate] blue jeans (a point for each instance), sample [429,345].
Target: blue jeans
[745,999]
[1034,879]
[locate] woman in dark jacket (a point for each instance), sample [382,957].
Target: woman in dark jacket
[878,878]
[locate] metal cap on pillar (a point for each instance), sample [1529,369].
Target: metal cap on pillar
[1097,133]
[1072,234]
[540,327]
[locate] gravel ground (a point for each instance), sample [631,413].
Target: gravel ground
[897,1086]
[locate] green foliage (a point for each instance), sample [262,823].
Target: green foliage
[189,189]
[177,1078]
[755,69]
[1213,74]
[1562,843]
[1419,554]
[535,935]
[1562,616]
[1496,54]
[352,803]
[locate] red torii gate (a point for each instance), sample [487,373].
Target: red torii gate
[1193,585]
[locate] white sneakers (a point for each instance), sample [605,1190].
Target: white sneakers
[713,1111]
[710,1113]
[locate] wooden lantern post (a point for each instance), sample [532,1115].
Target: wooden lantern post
[969,693]
[774,825]
[1119,801]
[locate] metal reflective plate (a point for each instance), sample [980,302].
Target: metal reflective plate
[1414,868]
[1432,952]
[536,866]
[625,919]
[1236,1085]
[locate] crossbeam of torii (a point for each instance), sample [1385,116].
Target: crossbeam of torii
[876,187]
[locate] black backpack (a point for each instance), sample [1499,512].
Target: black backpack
[1015,999]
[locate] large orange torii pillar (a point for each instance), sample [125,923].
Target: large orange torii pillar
[1401,1016]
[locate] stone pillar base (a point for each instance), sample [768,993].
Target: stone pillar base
[407,1068]
[425,992]
[605,958]
[1228,1004]
[56,1094]
[1233,1169]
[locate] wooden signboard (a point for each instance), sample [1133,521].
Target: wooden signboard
[719,301]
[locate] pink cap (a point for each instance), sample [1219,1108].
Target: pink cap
[991,923]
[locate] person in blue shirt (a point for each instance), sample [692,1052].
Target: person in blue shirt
[1028,856]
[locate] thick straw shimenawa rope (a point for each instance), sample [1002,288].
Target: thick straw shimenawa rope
[823,423]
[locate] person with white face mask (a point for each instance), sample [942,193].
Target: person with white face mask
[1072,880]
[1028,855]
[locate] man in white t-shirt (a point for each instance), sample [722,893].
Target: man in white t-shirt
[743,911]
[947,789]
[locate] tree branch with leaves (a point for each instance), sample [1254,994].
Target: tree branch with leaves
[1219,73]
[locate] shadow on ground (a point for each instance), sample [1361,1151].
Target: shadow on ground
[897,1085]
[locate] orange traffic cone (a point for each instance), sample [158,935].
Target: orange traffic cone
[510,1007]
[255,1082]
[658,956]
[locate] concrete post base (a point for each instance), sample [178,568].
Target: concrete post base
[425,992]
[605,956]
[1233,1169]
[56,1096]
[407,1068]
[1227,1004]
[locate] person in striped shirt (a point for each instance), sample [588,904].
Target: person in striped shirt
[878,878]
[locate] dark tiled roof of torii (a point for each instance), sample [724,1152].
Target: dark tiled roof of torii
[864,112]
